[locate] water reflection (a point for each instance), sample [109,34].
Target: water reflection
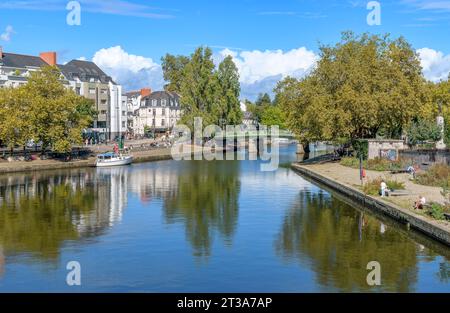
[121,215]
[206,200]
[338,242]
[40,211]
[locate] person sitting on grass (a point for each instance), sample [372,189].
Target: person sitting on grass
[419,204]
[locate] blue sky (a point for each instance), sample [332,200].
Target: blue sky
[269,39]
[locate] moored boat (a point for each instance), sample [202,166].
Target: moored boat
[112,159]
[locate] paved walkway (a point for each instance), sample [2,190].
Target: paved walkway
[350,176]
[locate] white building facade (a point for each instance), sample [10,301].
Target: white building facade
[159,112]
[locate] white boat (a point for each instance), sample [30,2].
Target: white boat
[112,159]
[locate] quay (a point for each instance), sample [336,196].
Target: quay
[41,165]
[438,230]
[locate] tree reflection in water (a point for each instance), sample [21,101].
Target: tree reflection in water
[206,200]
[338,242]
[39,212]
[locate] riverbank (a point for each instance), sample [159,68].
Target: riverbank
[41,165]
[346,181]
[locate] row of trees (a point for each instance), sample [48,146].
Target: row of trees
[266,112]
[45,111]
[364,86]
[207,91]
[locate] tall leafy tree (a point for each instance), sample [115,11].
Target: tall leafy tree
[209,92]
[173,70]
[199,88]
[57,115]
[361,85]
[15,126]
[228,106]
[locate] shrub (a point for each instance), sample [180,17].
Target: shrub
[438,176]
[437,211]
[350,162]
[378,164]
[373,187]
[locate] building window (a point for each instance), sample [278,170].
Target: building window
[163,122]
[103,101]
[101,124]
[154,111]
[163,112]
[103,112]
[163,102]
[123,124]
[154,102]
[78,90]
[92,91]
[124,113]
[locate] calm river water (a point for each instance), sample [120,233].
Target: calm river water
[198,226]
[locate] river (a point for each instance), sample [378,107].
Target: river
[199,226]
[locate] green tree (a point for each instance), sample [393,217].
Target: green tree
[423,130]
[262,102]
[273,116]
[228,105]
[15,126]
[57,115]
[361,85]
[206,91]
[199,88]
[173,70]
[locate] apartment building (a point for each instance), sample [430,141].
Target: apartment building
[160,111]
[84,77]
[133,99]
[89,81]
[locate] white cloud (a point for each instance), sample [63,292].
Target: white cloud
[261,70]
[436,65]
[6,35]
[131,71]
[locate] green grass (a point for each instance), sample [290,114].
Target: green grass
[378,164]
[373,187]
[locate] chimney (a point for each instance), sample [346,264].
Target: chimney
[1,52]
[146,92]
[49,58]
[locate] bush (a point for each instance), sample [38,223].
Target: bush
[437,211]
[373,187]
[438,176]
[350,162]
